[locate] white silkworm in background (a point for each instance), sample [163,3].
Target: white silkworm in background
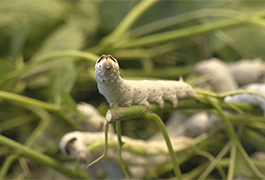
[221,78]
[250,98]
[129,92]
[248,71]
[95,121]
[73,145]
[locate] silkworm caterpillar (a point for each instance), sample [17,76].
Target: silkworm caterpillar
[221,78]
[201,122]
[250,98]
[75,144]
[131,92]
[248,71]
[94,120]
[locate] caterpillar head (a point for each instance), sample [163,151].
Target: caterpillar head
[72,144]
[107,65]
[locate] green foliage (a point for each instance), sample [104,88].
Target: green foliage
[47,54]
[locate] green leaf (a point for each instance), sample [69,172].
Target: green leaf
[230,44]
[67,37]
[68,101]
[62,80]
[16,45]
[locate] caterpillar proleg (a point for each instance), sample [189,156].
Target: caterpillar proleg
[131,92]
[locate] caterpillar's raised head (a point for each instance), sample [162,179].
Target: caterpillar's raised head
[107,63]
[106,69]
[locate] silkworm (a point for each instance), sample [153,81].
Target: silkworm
[94,121]
[72,144]
[221,78]
[250,98]
[131,92]
[248,71]
[202,122]
[75,144]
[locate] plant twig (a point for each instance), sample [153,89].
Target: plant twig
[120,144]
[105,147]
[162,128]
[180,33]
[236,142]
[124,25]
[47,57]
[41,158]
[215,162]
[29,101]
[5,167]
[124,113]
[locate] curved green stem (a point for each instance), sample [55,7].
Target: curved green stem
[28,101]
[105,147]
[16,122]
[123,113]
[120,143]
[233,136]
[232,163]
[182,18]
[41,158]
[124,25]
[131,17]
[59,54]
[229,93]
[215,162]
[211,159]
[47,57]
[162,128]
[34,135]
[180,33]
[25,168]
[5,167]
[45,120]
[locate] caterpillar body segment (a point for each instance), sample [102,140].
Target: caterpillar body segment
[131,92]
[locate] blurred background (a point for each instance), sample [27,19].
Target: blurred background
[41,43]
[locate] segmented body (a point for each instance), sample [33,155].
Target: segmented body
[248,71]
[221,79]
[130,92]
[250,98]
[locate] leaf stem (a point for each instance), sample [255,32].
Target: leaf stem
[162,128]
[5,167]
[215,162]
[179,33]
[41,158]
[29,101]
[120,144]
[124,25]
[124,113]
[105,147]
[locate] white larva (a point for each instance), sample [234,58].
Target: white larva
[250,98]
[72,144]
[75,145]
[130,92]
[221,79]
[248,71]
[94,121]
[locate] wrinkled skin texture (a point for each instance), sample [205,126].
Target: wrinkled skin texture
[129,92]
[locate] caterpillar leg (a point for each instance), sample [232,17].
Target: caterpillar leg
[160,103]
[146,104]
[174,102]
